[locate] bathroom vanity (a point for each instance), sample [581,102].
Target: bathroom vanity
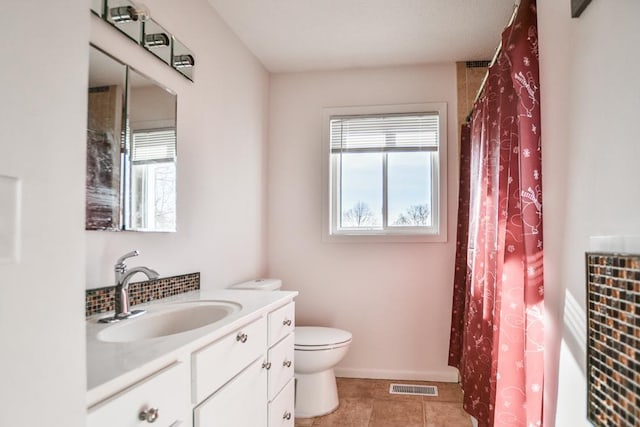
[172,367]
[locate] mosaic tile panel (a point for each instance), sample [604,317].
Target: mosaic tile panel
[101,300]
[613,351]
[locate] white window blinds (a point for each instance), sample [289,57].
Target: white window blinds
[153,146]
[386,133]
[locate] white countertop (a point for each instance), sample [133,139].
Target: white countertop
[114,366]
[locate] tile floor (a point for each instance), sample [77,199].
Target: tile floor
[367,403]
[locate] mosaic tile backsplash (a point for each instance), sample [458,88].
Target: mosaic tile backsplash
[613,352]
[101,300]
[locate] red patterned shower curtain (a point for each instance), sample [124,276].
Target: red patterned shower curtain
[497,322]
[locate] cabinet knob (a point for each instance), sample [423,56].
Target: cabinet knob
[150,415]
[286,322]
[286,363]
[266,365]
[286,416]
[242,337]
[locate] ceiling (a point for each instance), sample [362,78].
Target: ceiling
[303,35]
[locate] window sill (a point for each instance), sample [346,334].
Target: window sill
[384,238]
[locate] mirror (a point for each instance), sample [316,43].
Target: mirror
[150,193]
[131,149]
[105,126]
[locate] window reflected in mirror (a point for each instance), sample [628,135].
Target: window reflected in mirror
[151,157]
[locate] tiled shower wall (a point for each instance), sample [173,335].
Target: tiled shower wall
[613,351]
[101,300]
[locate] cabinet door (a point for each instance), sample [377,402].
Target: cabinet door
[281,371]
[281,409]
[215,364]
[166,392]
[281,322]
[242,402]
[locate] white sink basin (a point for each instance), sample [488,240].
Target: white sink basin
[169,319]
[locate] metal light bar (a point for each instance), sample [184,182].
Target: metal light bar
[183,61]
[156,40]
[123,14]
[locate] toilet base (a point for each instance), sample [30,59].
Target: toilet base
[316,394]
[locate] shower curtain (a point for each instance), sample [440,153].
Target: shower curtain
[497,320]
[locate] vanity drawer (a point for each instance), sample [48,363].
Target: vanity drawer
[217,363]
[281,359]
[240,403]
[166,390]
[281,322]
[281,408]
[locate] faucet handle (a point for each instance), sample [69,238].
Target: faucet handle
[120,261]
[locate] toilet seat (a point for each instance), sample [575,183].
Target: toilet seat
[315,338]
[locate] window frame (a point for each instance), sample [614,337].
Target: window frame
[330,179]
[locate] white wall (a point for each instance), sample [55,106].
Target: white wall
[590,85]
[222,133]
[42,142]
[394,298]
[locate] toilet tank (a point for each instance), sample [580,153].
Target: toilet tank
[259,285]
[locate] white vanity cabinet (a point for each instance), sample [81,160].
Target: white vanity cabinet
[280,354]
[261,394]
[229,379]
[218,362]
[161,399]
[239,403]
[281,408]
[242,377]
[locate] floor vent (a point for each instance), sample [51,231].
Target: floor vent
[422,390]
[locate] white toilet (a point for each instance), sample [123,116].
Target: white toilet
[317,351]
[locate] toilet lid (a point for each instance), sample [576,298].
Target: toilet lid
[316,336]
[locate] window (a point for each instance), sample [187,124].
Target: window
[386,171]
[153,180]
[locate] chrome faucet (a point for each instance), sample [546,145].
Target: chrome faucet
[123,278]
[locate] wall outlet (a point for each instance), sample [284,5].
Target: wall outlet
[10,198]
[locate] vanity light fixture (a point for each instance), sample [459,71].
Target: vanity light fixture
[183,61]
[133,19]
[122,14]
[156,40]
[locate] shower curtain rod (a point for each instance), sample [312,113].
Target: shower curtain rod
[493,60]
